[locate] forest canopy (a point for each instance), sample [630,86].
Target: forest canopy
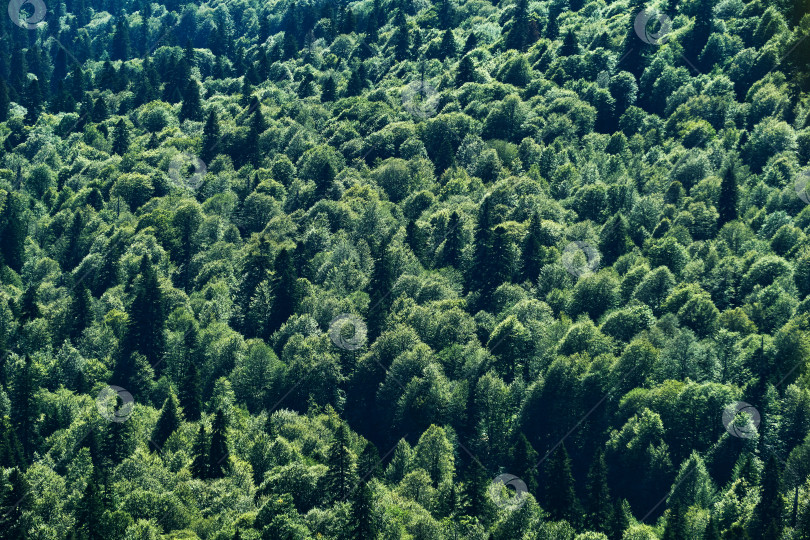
[381,269]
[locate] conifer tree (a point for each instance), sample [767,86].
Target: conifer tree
[362,524]
[200,450]
[561,500]
[340,475]
[120,144]
[15,500]
[90,511]
[191,109]
[211,137]
[598,503]
[768,520]
[218,452]
[191,392]
[676,524]
[168,421]
[727,203]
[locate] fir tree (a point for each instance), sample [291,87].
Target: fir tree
[561,500]
[191,392]
[599,505]
[191,109]
[340,475]
[768,520]
[15,500]
[218,453]
[676,528]
[90,511]
[211,137]
[168,421]
[200,451]
[727,203]
[120,144]
[362,523]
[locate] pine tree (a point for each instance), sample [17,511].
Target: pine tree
[727,204]
[218,453]
[256,128]
[561,500]
[483,245]
[200,451]
[24,403]
[598,503]
[168,421]
[621,519]
[340,476]
[362,523]
[13,230]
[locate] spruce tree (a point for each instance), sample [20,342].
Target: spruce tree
[168,421]
[144,333]
[598,503]
[519,33]
[90,511]
[200,451]
[120,144]
[361,519]
[328,89]
[191,109]
[614,239]
[524,463]
[284,295]
[211,137]
[15,500]
[340,474]
[451,255]
[727,203]
[191,392]
[218,452]
[465,72]
[561,500]
[768,520]
[5,101]
[676,528]
[533,252]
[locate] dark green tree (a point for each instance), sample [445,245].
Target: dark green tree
[598,502]
[121,138]
[211,137]
[561,499]
[200,451]
[168,421]
[340,476]
[729,195]
[218,453]
[361,518]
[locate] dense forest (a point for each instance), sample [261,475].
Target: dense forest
[381,269]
